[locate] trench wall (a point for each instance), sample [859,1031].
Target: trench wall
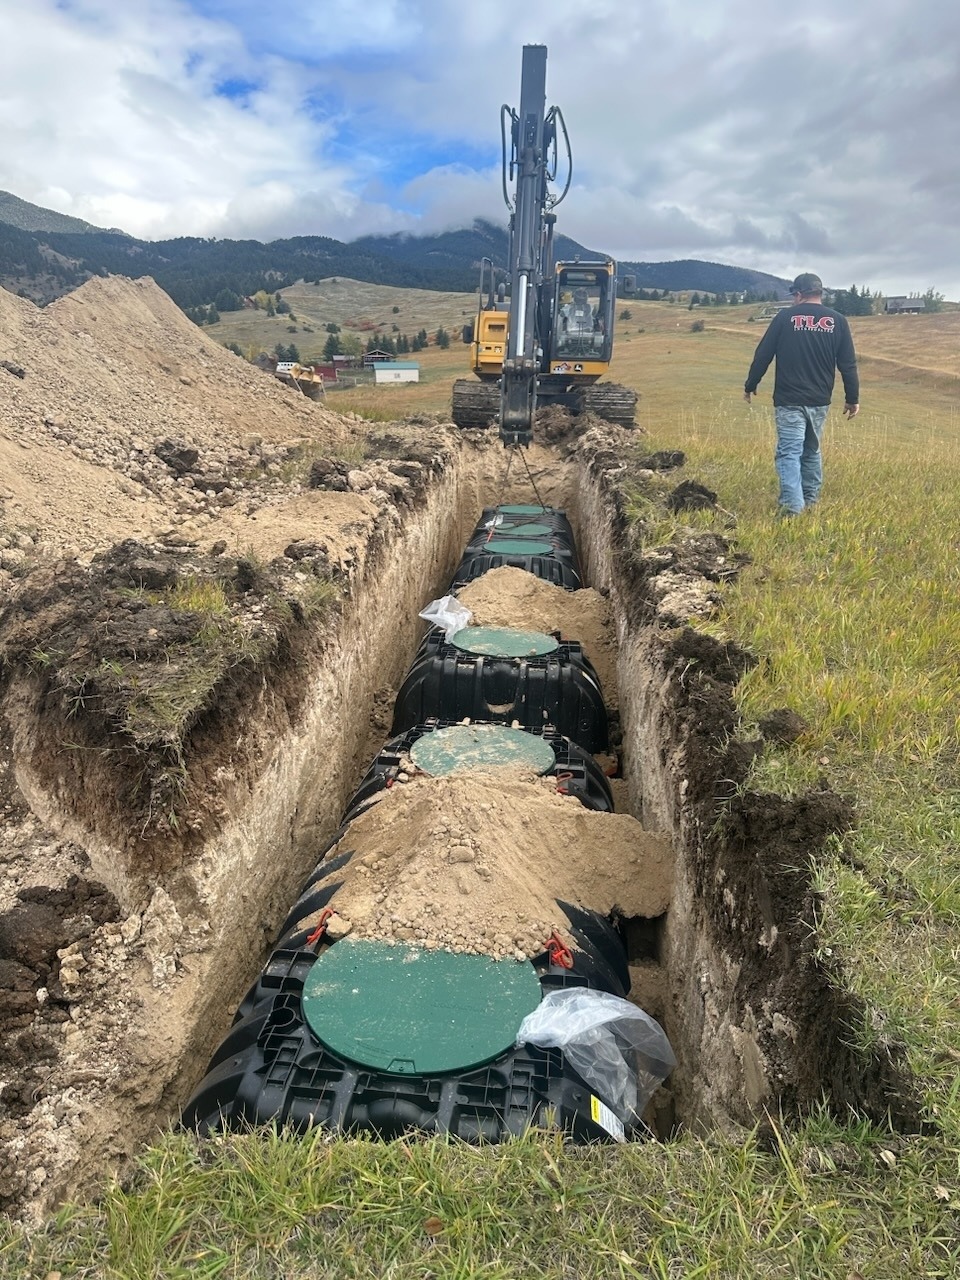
[197,935]
[759,1024]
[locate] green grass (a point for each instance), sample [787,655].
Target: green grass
[854,613]
[823,1201]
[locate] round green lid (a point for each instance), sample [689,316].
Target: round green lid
[522,529]
[517,547]
[504,642]
[459,747]
[406,1010]
[519,509]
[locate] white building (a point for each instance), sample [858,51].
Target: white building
[396,371]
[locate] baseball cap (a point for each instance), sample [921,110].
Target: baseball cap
[807,282]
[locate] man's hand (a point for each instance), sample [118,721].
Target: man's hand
[748,396]
[851,410]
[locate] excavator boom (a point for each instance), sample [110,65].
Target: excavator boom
[518,386]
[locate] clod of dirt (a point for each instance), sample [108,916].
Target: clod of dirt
[555,424]
[662,460]
[678,582]
[691,496]
[180,458]
[330,474]
[782,726]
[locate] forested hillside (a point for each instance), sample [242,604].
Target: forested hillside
[43,264]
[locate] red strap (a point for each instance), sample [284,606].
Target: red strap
[558,951]
[314,937]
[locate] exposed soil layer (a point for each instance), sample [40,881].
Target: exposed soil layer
[208,594]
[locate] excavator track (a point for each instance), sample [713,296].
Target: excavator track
[610,401]
[475,404]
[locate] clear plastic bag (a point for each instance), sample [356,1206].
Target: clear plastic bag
[449,613]
[617,1048]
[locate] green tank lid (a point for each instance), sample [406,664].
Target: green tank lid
[459,747]
[522,510]
[407,1010]
[522,529]
[517,547]
[504,642]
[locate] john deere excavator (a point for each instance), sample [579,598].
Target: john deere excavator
[549,339]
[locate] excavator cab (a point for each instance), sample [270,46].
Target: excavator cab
[582,332]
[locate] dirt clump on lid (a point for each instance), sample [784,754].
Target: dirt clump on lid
[477,862]
[509,597]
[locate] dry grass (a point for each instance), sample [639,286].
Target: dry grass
[358,308]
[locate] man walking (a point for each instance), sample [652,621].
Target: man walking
[811,342]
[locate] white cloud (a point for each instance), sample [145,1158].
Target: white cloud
[822,138]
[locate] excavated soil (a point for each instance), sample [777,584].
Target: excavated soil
[208,597]
[476,863]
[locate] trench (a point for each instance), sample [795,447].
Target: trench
[728,969]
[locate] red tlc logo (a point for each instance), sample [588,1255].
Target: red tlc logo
[824,324]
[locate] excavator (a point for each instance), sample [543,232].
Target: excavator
[547,337]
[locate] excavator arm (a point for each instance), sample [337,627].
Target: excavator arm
[532,165]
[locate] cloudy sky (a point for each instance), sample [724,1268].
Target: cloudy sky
[822,136]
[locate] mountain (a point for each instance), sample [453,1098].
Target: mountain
[32,217]
[45,254]
[702,277]
[451,248]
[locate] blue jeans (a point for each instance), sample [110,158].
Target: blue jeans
[798,459]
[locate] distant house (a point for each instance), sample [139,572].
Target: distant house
[902,306]
[768,311]
[396,371]
[377,356]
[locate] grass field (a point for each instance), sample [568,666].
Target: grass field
[855,615]
[358,308]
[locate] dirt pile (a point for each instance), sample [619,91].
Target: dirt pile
[478,862]
[168,563]
[119,418]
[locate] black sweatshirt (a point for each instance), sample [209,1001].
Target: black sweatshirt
[810,342]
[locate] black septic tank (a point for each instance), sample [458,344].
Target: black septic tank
[502,675]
